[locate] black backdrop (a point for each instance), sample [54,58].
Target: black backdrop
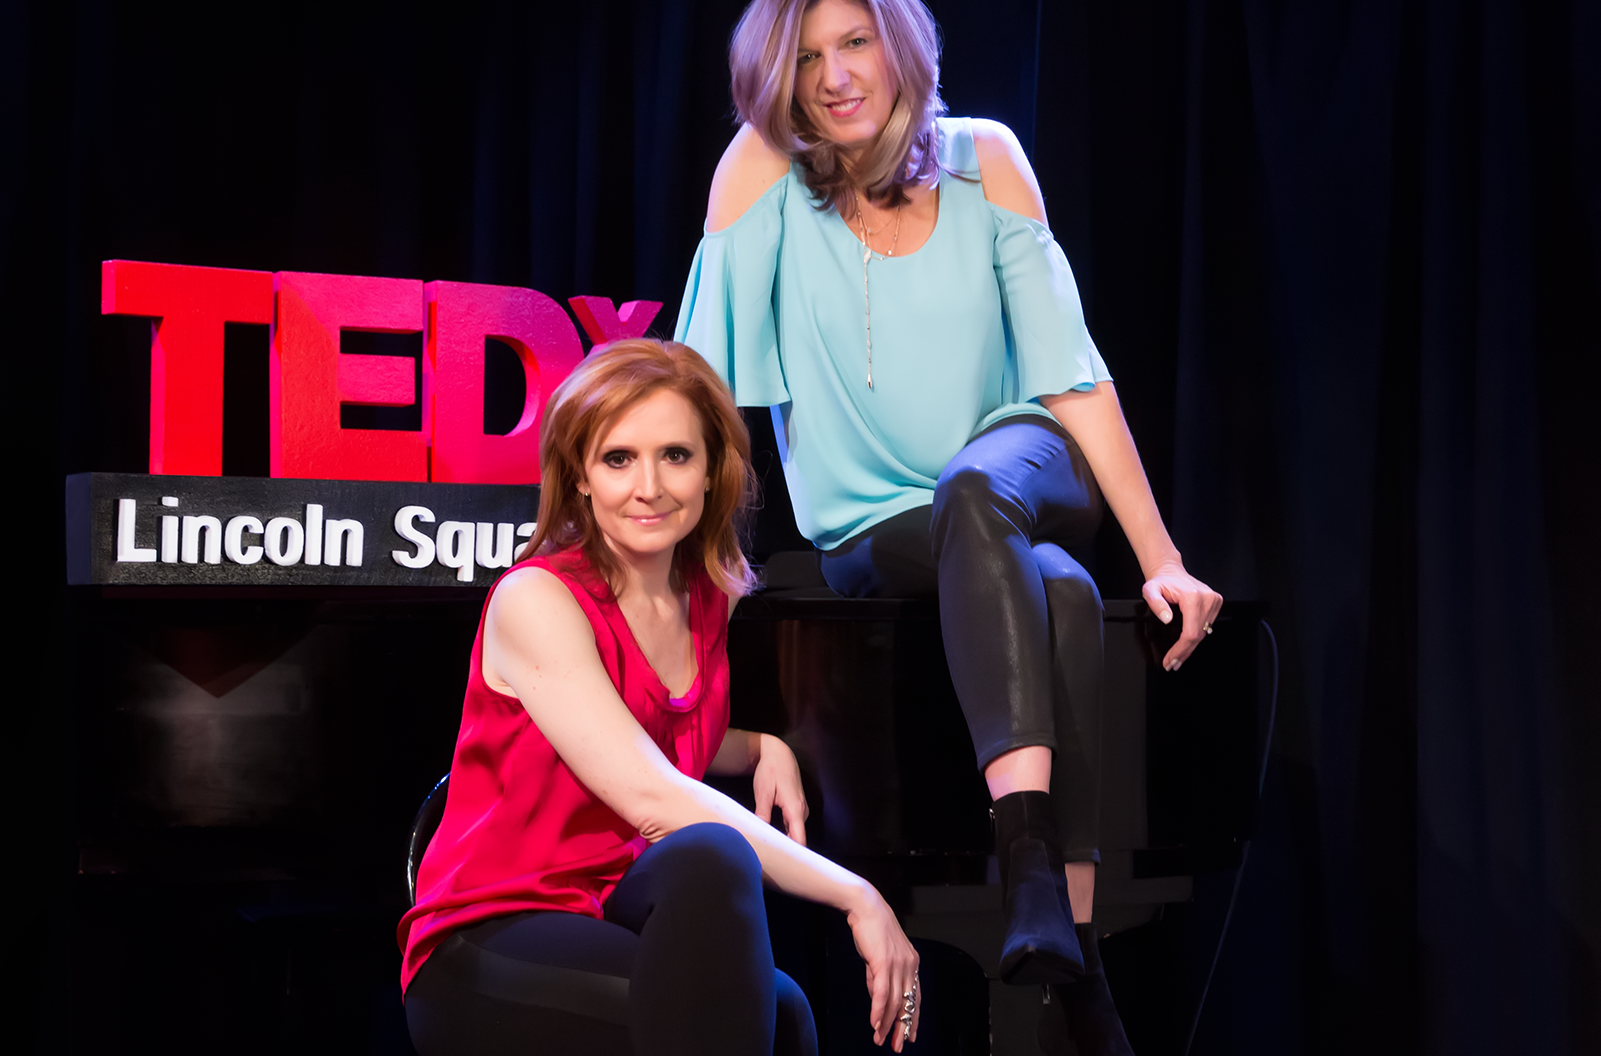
[1342,256]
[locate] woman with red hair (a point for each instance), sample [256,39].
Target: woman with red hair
[577,834]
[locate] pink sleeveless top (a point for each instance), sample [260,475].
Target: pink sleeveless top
[519,831]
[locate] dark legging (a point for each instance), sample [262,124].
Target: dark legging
[681,965]
[1020,618]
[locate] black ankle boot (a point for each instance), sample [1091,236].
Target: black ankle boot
[1080,1018]
[1041,946]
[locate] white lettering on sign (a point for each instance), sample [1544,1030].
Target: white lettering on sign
[127,512]
[348,529]
[169,532]
[493,547]
[465,546]
[286,541]
[192,527]
[196,538]
[233,542]
[455,541]
[203,538]
[314,534]
[406,519]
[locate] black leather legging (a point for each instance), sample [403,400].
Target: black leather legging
[681,966]
[1021,619]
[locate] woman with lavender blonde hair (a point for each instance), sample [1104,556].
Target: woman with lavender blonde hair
[883,278]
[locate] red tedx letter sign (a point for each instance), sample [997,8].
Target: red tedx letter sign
[310,378]
[189,305]
[604,323]
[462,316]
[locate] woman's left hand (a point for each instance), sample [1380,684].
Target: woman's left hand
[1198,603]
[891,962]
[777,783]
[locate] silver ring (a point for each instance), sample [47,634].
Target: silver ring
[908,1009]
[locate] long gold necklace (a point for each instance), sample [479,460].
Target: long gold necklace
[867,255]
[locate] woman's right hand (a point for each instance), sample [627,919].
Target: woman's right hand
[891,969]
[777,782]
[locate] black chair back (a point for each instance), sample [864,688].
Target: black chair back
[422,830]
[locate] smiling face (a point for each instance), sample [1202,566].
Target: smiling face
[842,81]
[647,477]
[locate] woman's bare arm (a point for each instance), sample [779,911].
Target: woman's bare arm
[1095,421]
[738,753]
[747,169]
[1004,170]
[538,646]
[776,779]
[776,774]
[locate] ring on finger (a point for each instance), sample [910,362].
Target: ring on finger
[908,1009]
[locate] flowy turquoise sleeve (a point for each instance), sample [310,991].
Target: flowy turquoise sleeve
[727,311]
[1045,318]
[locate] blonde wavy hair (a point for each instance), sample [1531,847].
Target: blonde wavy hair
[613,379]
[761,61]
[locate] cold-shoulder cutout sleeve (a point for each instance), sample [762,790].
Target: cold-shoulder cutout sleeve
[1045,318]
[727,311]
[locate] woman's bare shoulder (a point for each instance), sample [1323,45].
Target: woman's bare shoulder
[1003,168]
[748,168]
[533,597]
[534,623]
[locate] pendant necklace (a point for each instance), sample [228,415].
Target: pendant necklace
[867,255]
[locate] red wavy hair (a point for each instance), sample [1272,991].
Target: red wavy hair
[584,406]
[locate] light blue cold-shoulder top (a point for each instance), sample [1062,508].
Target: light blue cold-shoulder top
[973,327]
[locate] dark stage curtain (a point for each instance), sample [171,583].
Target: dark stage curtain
[1341,255]
[1391,235]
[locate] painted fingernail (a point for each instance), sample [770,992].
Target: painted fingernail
[1177,664]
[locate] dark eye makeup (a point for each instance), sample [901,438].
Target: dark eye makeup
[620,457]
